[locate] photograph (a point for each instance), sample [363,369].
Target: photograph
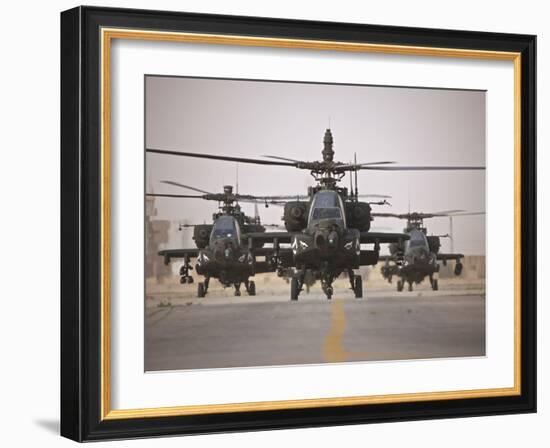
[299,223]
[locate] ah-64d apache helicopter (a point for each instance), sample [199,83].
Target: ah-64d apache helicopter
[418,257]
[223,251]
[325,232]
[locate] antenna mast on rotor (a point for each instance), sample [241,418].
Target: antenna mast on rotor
[451,236]
[351,185]
[355,175]
[256,214]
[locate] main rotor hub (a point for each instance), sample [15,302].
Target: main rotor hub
[328,152]
[414,221]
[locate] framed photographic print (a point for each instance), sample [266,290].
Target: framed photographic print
[272,223]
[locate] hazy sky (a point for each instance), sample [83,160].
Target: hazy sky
[254,118]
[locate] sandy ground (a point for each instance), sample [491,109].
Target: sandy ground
[270,285]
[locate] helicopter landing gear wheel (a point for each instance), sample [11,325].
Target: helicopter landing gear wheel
[358,287]
[237,289]
[294,288]
[410,286]
[458,268]
[251,289]
[400,285]
[435,285]
[201,290]
[326,283]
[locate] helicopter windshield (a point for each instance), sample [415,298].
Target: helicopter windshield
[225,227]
[326,205]
[326,213]
[417,239]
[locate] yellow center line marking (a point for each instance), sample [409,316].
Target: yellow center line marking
[334,349]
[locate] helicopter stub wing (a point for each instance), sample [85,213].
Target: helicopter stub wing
[168,254]
[445,257]
[270,237]
[382,237]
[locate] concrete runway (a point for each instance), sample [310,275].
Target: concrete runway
[244,331]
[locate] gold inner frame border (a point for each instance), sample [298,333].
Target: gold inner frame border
[107,35]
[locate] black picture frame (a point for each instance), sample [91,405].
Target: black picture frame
[81,224]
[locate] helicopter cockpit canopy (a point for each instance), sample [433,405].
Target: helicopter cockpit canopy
[417,239]
[225,227]
[326,205]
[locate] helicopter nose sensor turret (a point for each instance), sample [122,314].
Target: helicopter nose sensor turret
[328,152]
[332,239]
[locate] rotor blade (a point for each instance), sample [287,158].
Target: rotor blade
[186,196]
[413,215]
[375,163]
[387,215]
[369,195]
[219,197]
[245,198]
[177,184]
[460,213]
[440,213]
[445,212]
[260,201]
[419,215]
[216,157]
[358,166]
[449,213]
[269,198]
[468,214]
[422,168]
[282,158]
